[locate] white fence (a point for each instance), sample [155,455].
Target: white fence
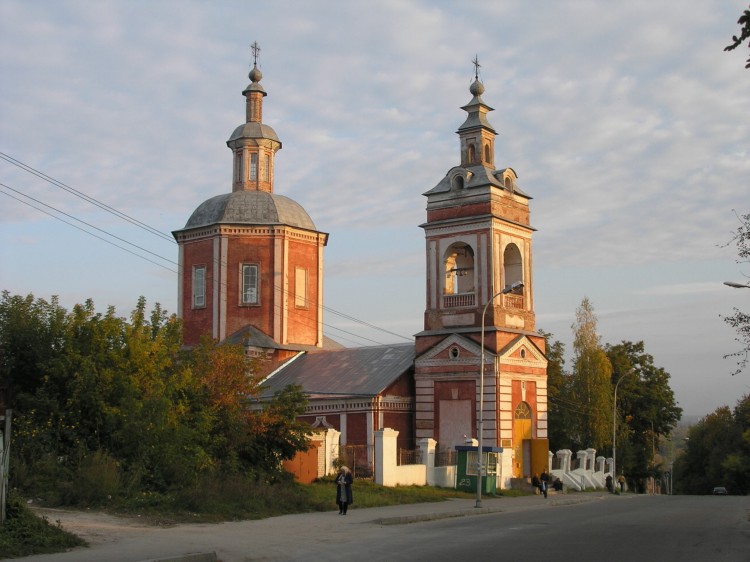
[585,471]
[588,470]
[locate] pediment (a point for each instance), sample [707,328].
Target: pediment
[454,349]
[522,351]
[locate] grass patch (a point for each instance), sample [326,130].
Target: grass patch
[237,498]
[24,533]
[215,499]
[368,494]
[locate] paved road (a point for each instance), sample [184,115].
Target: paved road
[576,526]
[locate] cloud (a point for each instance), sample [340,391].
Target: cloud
[626,122]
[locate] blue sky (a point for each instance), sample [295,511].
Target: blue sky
[626,122]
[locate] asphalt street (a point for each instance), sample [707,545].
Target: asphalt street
[592,525]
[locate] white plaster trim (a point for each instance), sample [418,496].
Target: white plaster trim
[430,359]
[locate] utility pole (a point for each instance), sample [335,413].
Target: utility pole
[4,462]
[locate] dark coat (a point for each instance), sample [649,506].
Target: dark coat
[346,496]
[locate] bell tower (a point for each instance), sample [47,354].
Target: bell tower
[478,235]
[479,286]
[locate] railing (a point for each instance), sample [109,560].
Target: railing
[446,457]
[513,301]
[465,300]
[409,456]
[459,301]
[359,458]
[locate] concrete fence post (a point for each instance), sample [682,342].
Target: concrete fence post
[385,456]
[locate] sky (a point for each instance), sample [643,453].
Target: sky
[625,121]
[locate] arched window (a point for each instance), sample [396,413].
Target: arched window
[458,264]
[472,154]
[509,184]
[523,411]
[458,182]
[512,265]
[487,155]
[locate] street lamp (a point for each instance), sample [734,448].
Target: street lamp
[614,431]
[480,429]
[735,285]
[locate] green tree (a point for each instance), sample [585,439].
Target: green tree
[258,434]
[744,23]
[590,383]
[717,453]
[279,434]
[647,409]
[103,403]
[559,404]
[32,336]
[740,321]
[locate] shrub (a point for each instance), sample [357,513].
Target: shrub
[24,533]
[96,481]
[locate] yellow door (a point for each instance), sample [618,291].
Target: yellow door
[521,431]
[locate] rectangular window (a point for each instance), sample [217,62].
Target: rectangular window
[300,288]
[254,166]
[267,168]
[240,166]
[249,284]
[489,463]
[199,286]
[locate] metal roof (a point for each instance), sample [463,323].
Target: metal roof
[250,207]
[250,336]
[360,371]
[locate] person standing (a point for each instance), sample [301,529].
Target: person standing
[621,482]
[544,479]
[344,489]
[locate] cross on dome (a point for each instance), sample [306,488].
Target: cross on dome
[256,51]
[476,64]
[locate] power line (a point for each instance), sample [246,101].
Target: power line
[85,197]
[86,223]
[86,231]
[152,230]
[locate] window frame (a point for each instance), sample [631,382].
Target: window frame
[198,298]
[244,288]
[301,300]
[253,170]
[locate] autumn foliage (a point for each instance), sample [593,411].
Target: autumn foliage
[105,406]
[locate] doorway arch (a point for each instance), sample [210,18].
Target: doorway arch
[522,431]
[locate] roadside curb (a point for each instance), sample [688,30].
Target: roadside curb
[407,519]
[193,557]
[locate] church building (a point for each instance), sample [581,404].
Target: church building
[251,272]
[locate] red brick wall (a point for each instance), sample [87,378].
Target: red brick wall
[197,322]
[302,323]
[356,429]
[402,386]
[402,422]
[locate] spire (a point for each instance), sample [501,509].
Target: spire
[476,133]
[254,143]
[254,92]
